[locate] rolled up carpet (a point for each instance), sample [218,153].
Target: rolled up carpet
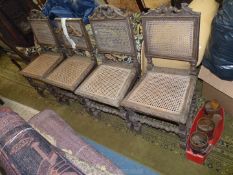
[61,135]
[23,151]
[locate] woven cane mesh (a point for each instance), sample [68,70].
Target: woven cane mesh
[113,36]
[170,38]
[41,65]
[75,33]
[107,82]
[69,72]
[43,33]
[164,92]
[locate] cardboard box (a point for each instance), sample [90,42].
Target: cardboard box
[215,88]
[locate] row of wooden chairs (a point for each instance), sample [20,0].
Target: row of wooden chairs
[161,98]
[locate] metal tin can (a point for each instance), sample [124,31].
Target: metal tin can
[206,125]
[199,142]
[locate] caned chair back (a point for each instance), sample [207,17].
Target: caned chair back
[170,33]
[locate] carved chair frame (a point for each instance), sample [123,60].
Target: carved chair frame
[62,95]
[107,13]
[135,119]
[37,16]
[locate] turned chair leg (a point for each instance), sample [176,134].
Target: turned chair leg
[40,91]
[132,123]
[183,135]
[137,126]
[93,112]
[59,96]
[96,113]
[90,110]
[62,100]
[185,128]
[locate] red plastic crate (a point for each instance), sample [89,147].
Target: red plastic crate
[199,158]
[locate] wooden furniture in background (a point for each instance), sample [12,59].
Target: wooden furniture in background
[177,3]
[15,30]
[130,5]
[144,5]
[152,4]
[14,26]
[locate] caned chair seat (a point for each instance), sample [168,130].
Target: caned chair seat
[71,72]
[164,95]
[107,84]
[42,65]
